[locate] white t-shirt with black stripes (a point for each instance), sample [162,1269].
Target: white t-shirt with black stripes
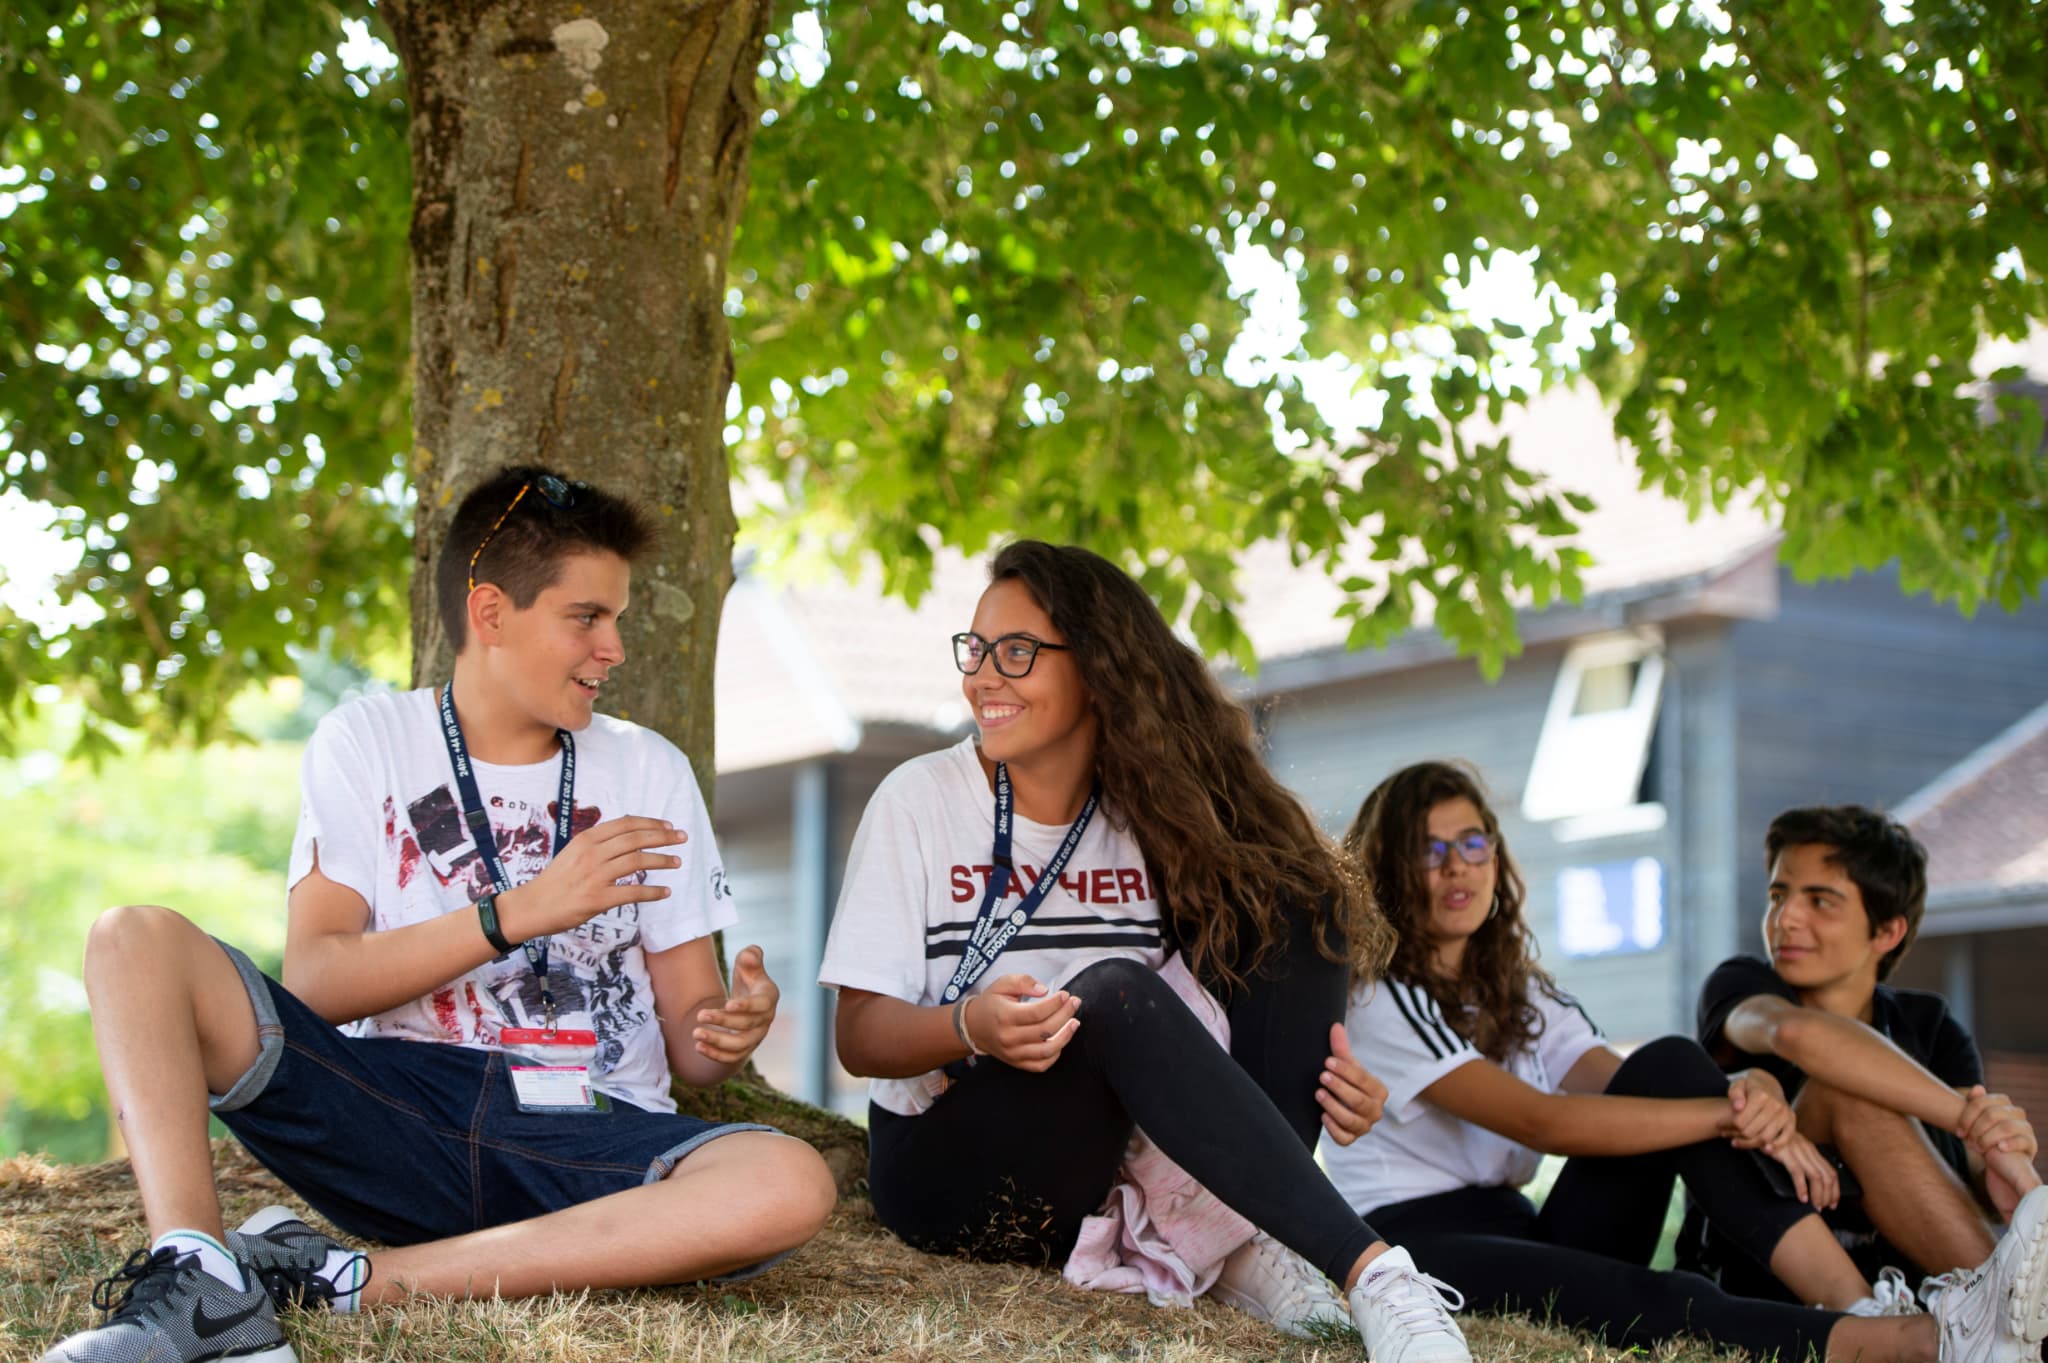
[1417,1149]
[914,881]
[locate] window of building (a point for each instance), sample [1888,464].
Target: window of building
[1611,908]
[1594,752]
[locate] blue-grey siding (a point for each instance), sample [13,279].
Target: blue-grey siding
[1855,693]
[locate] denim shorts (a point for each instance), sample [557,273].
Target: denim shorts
[407,1141]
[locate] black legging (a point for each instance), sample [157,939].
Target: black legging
[1582,1260]
[1007,1163]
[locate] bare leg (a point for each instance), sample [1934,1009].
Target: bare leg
[1910,1193]
[733,1202]
[173,1023]
[1813,1264]
[1889,1339]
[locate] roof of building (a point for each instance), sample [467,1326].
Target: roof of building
[805,667]
[1984,823]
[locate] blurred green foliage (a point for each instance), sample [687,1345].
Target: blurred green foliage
[206,832]
[982,289]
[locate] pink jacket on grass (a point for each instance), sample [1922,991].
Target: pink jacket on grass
[1160,1232]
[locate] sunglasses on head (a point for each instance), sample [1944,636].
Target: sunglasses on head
[558,493]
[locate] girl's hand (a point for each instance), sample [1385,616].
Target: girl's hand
[1018,1023]
[1814,1180]
[1761,1119]
[1352,1098]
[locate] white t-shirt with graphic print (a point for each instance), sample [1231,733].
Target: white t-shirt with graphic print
[1417,1149]
[914,881]
[379,802]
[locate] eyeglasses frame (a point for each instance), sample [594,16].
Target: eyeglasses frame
[1436,852]
[988,652]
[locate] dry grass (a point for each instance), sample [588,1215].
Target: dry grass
[853,1293]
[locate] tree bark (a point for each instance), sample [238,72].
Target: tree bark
[577,175]
[578,172]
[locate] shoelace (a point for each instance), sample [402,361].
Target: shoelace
[1303,1284]
[1892,1293]
[1940,1283]
[302,1284]
[1424,1301]
[142,1280]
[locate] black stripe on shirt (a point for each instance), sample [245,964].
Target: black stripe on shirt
[1085,920]
[1027,941]
[1426,1005]
[1394,992]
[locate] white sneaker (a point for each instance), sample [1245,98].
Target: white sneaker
[1890,1295]
[1264,1278]
[1403,1314]
[1998,1311]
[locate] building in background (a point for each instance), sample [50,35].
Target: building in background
[1636,749]
[1984,941]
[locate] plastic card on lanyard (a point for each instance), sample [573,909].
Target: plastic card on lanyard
[487,842]
[993,929]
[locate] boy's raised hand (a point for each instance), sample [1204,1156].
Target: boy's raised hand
[1997,1129]
[582,882]
[730,1033]
[1019,1023]
[1352,1097]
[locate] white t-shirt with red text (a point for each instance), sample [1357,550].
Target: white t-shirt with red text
[914,881]
[380,810]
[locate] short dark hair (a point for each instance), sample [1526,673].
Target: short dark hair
[523,558]
[1887,863]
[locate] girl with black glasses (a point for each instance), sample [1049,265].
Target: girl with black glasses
[1007,907]
[1488,1065]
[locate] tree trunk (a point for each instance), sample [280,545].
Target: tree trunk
[577,175]
[576,182]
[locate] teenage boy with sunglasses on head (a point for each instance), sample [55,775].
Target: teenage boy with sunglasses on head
[505,903]
[1885,1081]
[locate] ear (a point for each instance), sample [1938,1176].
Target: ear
[1888,936]
[488,606]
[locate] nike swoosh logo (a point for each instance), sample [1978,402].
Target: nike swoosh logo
[206,1325]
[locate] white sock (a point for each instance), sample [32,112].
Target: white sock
[213,1256]
[348,1270]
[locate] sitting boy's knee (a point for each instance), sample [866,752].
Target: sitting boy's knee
[128,929]
[804,1183]
[1833,1116]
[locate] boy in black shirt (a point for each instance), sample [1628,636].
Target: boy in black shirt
[1913,1155]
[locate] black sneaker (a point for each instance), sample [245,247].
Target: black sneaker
[170,1310]
[289,1258]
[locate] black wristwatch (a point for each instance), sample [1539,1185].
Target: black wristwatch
[487,918]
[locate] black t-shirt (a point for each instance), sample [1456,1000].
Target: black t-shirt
[1915,1021]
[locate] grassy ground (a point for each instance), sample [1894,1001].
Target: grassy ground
[853,1293]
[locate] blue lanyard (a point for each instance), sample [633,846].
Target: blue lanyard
[990,936]
[487,842]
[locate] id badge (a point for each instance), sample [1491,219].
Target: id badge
[550,1070]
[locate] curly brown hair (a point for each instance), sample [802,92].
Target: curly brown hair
[1488,1003]
[1231,850]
